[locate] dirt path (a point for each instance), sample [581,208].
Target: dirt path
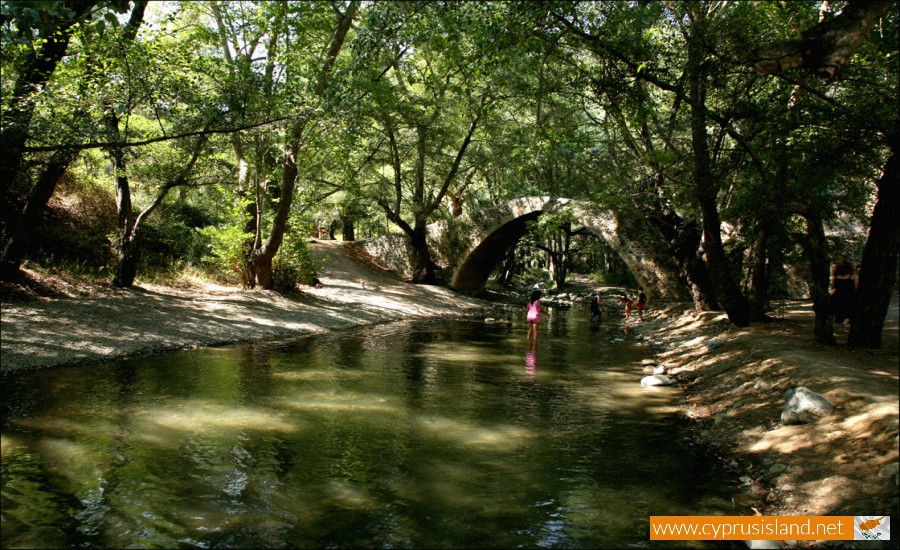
[845,464]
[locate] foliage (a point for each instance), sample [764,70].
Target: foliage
[226,249]
[294,265]
[433,109]
[76,225]
[176,236]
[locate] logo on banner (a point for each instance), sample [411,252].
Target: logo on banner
[871,527]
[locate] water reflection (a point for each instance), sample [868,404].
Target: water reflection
[421,434]
[531,361]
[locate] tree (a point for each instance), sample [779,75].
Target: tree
[827,49]
[424,113]
[696,25]
[553,234]
[878,270]
[39,43]
[263,254]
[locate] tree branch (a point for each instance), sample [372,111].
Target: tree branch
[825,48]
[126,144]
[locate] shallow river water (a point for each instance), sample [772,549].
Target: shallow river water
[416,434]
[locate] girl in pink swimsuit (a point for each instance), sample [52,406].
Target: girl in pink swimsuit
[533,316]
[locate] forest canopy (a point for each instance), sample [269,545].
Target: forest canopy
[223,134]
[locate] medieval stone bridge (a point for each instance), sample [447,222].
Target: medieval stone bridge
[470,246]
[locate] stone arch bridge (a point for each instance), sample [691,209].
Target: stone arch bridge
[470,246]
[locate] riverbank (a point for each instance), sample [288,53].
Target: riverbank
[84,323]
[733,379]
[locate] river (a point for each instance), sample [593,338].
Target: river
[414,434]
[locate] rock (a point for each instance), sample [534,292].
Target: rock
[659,370]
[650,362]
[715,343]
[490,320]
[762,544]
[802,406]
[656,380]
[890,471]
[777,468]
[648,370]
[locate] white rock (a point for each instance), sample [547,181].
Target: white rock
[656,380]
[762,544]
[802,405]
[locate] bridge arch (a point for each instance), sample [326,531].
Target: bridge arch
[469,247]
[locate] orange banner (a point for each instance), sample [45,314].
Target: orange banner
[751,527]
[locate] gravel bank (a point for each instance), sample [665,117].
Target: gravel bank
[151,319]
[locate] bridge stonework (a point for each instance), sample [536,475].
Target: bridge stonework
[470,246]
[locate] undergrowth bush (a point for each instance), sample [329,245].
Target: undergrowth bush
[174,234]
[73,233]
[294,265]
[225,256]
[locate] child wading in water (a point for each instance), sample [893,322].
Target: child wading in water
[533,315]
[625,299]
[642,302]
[597,309]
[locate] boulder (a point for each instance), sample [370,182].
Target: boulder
[802,406]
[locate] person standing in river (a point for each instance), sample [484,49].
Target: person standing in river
[642,301]
[597,309]
[533,316]
[844,282]
[626,299]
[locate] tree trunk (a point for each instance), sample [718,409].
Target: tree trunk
[263,270]
[878,270]
[129,255]
[423,269]
[683,238]
[817,252]
[759,279]
[506,266]
[37,69]
[127,245]
[19,233]
[262,256]
[348,229]
[825,48]
[727,291]
[128,249]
